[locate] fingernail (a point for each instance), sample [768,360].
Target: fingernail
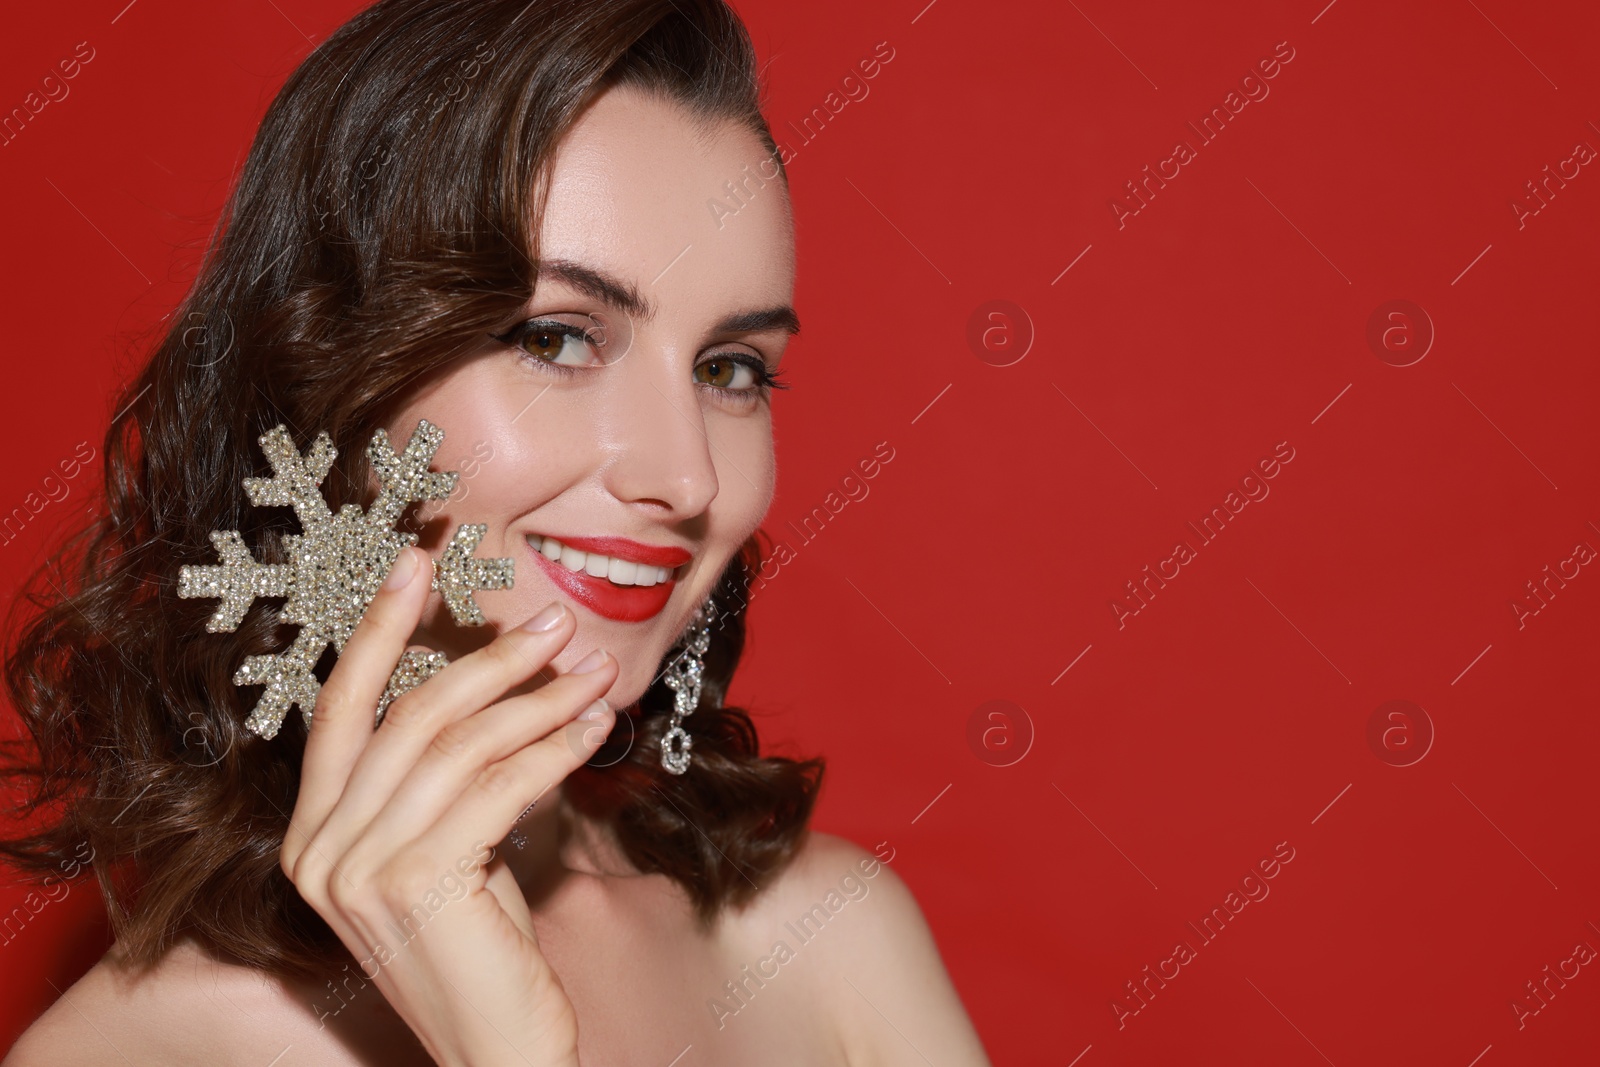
[589,663]
[599,711]
[546,619]
[404,569]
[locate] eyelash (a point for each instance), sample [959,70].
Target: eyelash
[766,379]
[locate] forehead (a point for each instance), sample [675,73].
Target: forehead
[685,212]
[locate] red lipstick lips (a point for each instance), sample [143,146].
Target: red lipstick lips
[624,603]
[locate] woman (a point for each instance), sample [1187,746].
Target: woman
[490,218]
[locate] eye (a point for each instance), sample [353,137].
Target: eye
[726,372]
[551,342]
[738,376]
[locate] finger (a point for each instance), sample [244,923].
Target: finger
[341,724]
[502,884]
[415,719]
[477,679]
[462,750]
[502,791]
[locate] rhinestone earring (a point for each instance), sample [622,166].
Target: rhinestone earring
[516,836]
[685,675]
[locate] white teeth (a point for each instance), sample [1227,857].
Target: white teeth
[619,571]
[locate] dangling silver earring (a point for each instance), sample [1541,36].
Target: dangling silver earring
[516,836]
[684,675]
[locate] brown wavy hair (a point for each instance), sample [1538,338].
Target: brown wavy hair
[385,219]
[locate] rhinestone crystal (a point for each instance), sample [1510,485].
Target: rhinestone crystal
[685,675]
[336,565]
[414,669]
[675,746]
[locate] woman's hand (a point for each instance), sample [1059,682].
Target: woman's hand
[391,822]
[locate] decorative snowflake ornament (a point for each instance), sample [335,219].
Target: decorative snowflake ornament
[336,566]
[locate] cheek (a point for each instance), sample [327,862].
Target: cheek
[746,466]
[506,461]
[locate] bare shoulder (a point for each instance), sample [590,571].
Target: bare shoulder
[874,963]
[833,877]
[823,860]
[187,1008]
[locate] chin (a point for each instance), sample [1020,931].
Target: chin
[627,692]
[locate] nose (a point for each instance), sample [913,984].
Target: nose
[663,456]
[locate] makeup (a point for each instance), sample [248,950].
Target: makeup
[614,577]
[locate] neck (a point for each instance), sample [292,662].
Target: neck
[559,840]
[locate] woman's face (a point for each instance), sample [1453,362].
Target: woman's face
[683,288]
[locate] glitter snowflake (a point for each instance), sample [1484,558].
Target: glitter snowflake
[336,566]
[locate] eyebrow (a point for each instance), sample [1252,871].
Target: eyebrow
[625,297]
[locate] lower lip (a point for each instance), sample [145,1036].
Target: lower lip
[624,603]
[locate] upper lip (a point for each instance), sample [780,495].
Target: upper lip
[626,549]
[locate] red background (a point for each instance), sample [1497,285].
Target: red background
[1228,315]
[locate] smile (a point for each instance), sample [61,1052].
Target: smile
[614,577]
[613,568]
